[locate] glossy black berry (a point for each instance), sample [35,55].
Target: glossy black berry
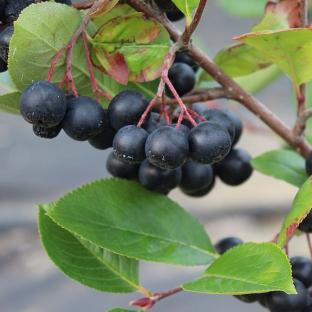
[2,10]
[121,169]
[153,122]
[5,38]
[281,302]
[175,15]
[196,177]
[185,129]
[248,298]
[126,108]
[184,57]
[158,180]
[182,77]
[3,65]
[309,164]
[209,143]
[235,169]
[104,139]
[302,270]
[226,244]
[129,144]
[43,104]
[306,225]
[220,117]
[165,5]
[47,133]
[203,192]
[238,125]
[167,147]
[200,108]
[85,118]
[13,8]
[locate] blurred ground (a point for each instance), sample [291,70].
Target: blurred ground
[35,171]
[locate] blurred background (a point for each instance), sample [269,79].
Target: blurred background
[37,171]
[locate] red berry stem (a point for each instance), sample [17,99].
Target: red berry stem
[164,111]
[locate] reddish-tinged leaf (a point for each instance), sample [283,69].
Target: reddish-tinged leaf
[103,7]
[142,43]
[300,208]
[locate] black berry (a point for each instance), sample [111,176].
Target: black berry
[153,122]
[238,125]
[167,147]
[302,270]
[126,108]
[5,38]
[175,15]
[227,243]
[43,104]
[306,224]
[184,57]
[129,144]
[165,5]
[85,118]
[121,169]
[309,164]
[281,302]
[196,177]
[248,298]
[204,191]
[158,180]
[3,65]
[103,140]
[185,129]
[47,133]
[13,8]
[220,117]
[182,77]
[209,143]
[235,169]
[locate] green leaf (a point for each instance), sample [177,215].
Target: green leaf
[259,80]
[300,208]
[131,47]
[308,131]
[246,269]
[285,165]
[123,217]
[9,95]
[87,263]
[289,49]
[187,7]
[243,8]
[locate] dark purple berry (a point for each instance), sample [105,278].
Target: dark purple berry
[5,38]
[226,244]
[43,104]
[47,133]
[306,225]
[175,15]
[126,108]
[158,180]
[220,117]
[281,302]
[184,57]
[153,122]
[302,270]
[85,118]
[235,168]
[205,191]
[209,143]
[103,140]
[129,144]
[309,164]
[196,177]
[182,77]
[167,147]
[121,169]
